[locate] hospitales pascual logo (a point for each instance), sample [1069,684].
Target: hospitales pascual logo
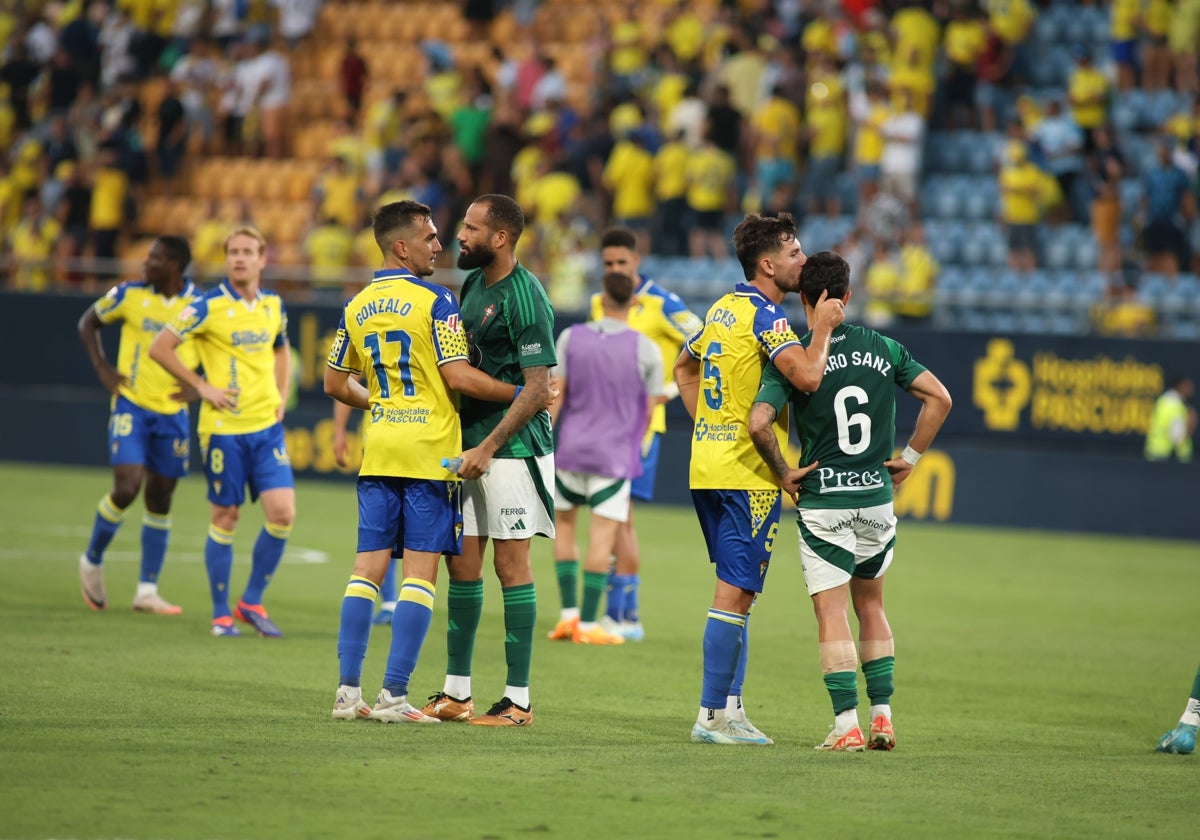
[1001,386]
[1096,395]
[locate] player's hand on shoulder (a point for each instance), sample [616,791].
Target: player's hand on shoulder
[899,469]
[830,311]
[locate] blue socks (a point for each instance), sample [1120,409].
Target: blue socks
[268,551]
[357,606]
[722,646]
[108,520]
[410,624]
[156,532]
[218,560]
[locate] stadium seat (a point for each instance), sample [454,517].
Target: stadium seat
[980,197]
[1152,288]
[1161,105]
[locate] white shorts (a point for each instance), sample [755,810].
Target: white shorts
[514,501]
[836,545]
[607,497]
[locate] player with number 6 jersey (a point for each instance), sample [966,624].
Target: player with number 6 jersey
[847,524]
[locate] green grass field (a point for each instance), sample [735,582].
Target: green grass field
[1034,673]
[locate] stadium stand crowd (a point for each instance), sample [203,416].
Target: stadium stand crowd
[996,165]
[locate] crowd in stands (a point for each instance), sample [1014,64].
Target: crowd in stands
[670,118]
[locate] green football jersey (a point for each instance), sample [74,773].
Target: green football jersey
[849,423]
[510,326]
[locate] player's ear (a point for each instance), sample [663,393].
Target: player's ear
[499,239]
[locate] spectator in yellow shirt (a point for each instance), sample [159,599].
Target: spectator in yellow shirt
[918,276]
[327,250]
[710,176]
[825,104]
[777,133]
[110,188]
[964,43]
[33,243]
[1123,33]
[1021,197]
[338,194]
[208,242]
[868,142]
[670,189]
[629,178]
[1088,94]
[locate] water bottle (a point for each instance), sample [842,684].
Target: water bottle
[455,464]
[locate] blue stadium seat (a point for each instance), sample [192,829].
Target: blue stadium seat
[941,199]
[1161,105]
[1035,323]
[1101,26]
[944,243]
[1087,253]
[1124,115]
[1004,322]
[1184,329]
[981,197]
[1065,323]
[1047,30]
[938,152]
[1130,192]
[976,320]
[982,154]
[1056,252]
[1077,29]
[1152,288]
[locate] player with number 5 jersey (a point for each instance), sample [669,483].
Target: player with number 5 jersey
[847,525]
[736,494]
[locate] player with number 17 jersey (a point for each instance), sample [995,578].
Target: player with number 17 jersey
[742,332]
[848,424]
[408,328]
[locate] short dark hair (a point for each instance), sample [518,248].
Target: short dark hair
[618,287]
[177,251]
[619,238]
[757,235]
[503,214]
[393,217]
[824,271]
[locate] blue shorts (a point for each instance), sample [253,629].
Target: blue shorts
[139,436]
[414,513]
[642,487]
[258,460]
[739,528]
[1124,52]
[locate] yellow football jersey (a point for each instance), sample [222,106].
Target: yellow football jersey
[236,340]
[398,332]
[664,319]
[742,332]
[143,312]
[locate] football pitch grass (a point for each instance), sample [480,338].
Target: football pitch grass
[1034,674]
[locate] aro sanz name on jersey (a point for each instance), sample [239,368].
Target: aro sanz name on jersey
[860,358]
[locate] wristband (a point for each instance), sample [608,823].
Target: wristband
[910,455]
[517,392]
[671,390]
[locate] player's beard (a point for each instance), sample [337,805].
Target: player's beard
[479,257]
